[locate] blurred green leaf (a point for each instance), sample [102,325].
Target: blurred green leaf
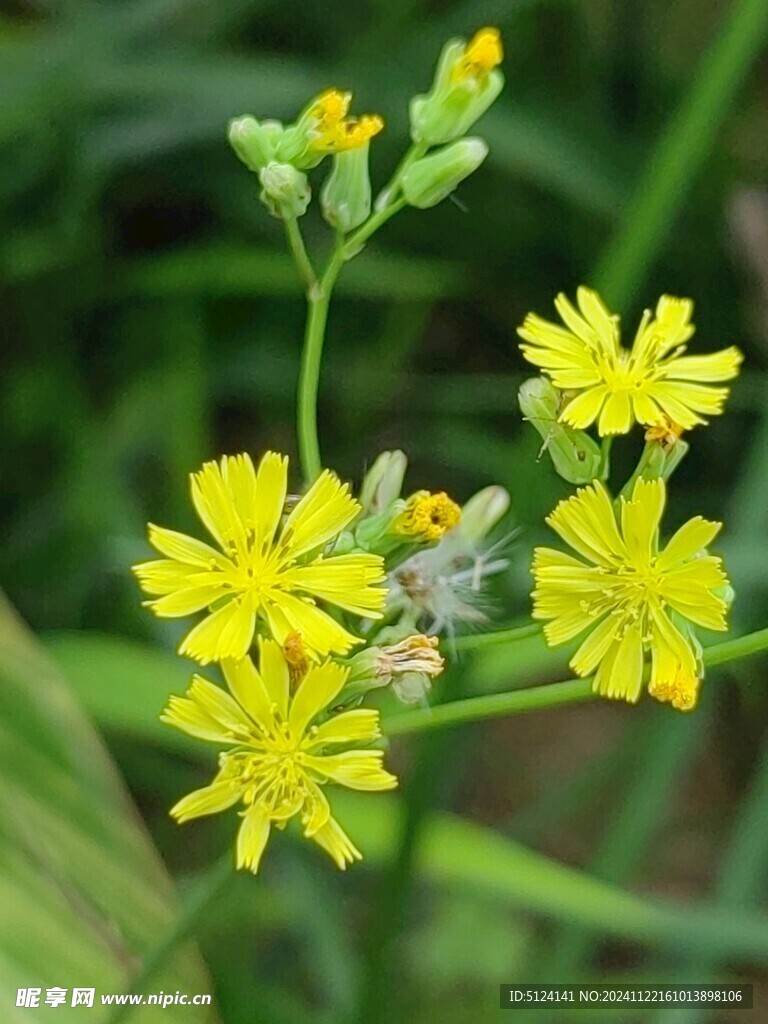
[83,892]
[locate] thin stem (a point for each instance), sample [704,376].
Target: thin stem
[205,893]
[389,192]
[492,705]
[318,301]
[358,238]
[299,253]
[572,691]
[741,647]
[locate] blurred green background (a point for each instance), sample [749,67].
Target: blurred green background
[151,319]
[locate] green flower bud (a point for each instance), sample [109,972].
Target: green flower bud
[483,510]
[254,142]
[346,194]
[285,191]
[384,481]
[576,457]
[664,451]
[466,83]
[430,180]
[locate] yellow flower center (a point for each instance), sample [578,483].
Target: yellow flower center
[427,517]
[271,770]
[481,55]
[335,132]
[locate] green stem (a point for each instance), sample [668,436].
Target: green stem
[318,300]
[492,705]
[389,192]
[205,893]
[299,253]
[733,650]
[572,691]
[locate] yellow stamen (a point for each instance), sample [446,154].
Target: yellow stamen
[667,434]
[481,55]
[334,131]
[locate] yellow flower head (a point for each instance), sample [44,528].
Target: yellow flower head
[277,760]
[426,517]
[267,566]
[332,131]
[651,383]
[481,55]
[629,595]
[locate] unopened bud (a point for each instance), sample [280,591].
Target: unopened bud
[576,457]
[466,83]
[483,510]
[253,141]
[346,194]
[663,452]
[285,191]
[432,178]
[383,481]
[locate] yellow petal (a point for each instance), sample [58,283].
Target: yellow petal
[209,800]
[215,503]
[316,810]
[251,839]
[360,725]
[188,716]
[271,488]
[322,513]
[640,518]
[595,647]
[356,769]
[185,601]
[586,521]
[582,411]
[334,840]
[225,633]
[690,539]
[348,581]
[319,687]
[185,549]
[716,366]
[320,633]
[616,415]
[221,707]
[248,688]
[275,674]
[166,575]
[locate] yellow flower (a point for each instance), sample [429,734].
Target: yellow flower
[481,55]
[651,383]
[426,517]
[333,131]
[278,761]
[628,594]
[267,567]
